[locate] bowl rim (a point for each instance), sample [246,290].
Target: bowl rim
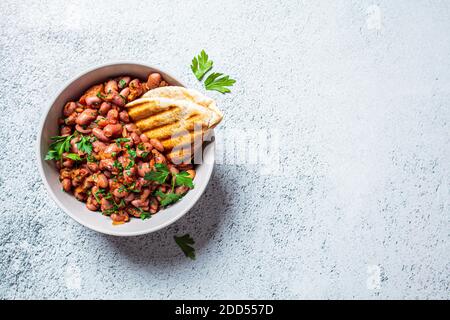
[54,96]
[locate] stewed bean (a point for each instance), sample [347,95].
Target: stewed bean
[110,160]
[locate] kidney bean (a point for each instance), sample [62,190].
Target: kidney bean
[142,148]
[73,145]
[131,127]
[106,164]
[120,194]
[65,173]
[68,163]
[138,203]
[113,147]
[86,117]
[69,108]
[144,138]
[123,82]
[143,168]
[135,89]
[124,117]
[65,131]
[102,181]
[154,205]
[129,175]
[145,194]
[92,204]
[158,156]
[119,100]
[79,193]
[99,134]
[104,108]
[92,100]
[112,116]
[93,167]
[191,173]
[83,130]
[101,122]
[157,144]
[135,137]
[181,190]
[113,130]
[111,86]
[66,184]
[88,183]
[153,81]
[119,218]
[125,92]
[105,204]
[98,146]
[129,198]
[72,119]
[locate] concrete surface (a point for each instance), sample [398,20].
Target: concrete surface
[357,93]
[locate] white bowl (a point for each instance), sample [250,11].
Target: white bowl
[76,209]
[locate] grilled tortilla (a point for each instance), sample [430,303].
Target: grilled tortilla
[177,117]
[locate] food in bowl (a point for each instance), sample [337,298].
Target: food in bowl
[105,159]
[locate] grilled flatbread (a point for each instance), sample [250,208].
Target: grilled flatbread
[177,117]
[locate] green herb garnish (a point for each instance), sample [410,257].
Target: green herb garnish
[59,145]
[167,198]
[185,243]
[120,140]
[160,175]
[131,152]
[85,145]
[117,165]
[183,179]
[201,65]
[219,82]
[73,156]
[99,95]
[122,83]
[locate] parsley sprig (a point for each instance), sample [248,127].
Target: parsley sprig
[219,82]
[85,145]
[215,81]
[201,65]
[160,175]
[185,243]
[59,145]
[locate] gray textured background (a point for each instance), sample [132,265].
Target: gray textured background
[359,91]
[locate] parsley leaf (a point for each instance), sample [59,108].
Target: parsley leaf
[59,145]
[183,179]
[73,156]
[120,140]
[160,175]
[185,243]
[168,198]
[99,95]
[201,65]
[85,145]
[122,83]
[117,165]
[144,214]
[131,152]
[219,82]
